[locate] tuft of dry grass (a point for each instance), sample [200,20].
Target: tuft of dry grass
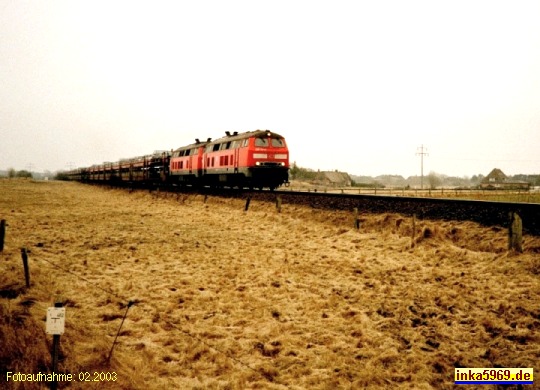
[228,299]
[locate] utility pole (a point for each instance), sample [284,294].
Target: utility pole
[421,151]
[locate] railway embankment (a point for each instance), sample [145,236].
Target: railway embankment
[488,213]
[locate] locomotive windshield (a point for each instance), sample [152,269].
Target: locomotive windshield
[277,143]
[263,142]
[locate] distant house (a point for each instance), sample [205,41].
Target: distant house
[333,179]
[498,180]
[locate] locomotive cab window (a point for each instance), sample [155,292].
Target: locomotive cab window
[263,142]
[277,142]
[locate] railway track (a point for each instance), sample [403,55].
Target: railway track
[487,213]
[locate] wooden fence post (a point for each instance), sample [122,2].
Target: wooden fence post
[515,233]
[248,201]
[2,233]
[278,203]
[413,229]
[24,255]
[356,218]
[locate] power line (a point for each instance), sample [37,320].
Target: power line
[422,153]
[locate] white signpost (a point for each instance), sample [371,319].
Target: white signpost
[56,317]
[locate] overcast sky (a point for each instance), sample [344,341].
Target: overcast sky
[356,86]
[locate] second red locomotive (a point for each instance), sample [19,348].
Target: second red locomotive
[254,159]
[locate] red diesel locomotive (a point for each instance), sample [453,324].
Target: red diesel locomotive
[254,159]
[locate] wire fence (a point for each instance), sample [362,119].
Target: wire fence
[504,195]
[128,303]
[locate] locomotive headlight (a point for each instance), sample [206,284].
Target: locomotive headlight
[257,163]
[260,155]
[281,156]
[282,164]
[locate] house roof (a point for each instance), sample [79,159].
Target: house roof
[495,175]
[336,177]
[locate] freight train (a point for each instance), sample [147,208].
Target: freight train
[253,159]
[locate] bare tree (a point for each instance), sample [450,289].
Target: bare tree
[434,180]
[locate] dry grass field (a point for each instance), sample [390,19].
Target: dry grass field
[228,299]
